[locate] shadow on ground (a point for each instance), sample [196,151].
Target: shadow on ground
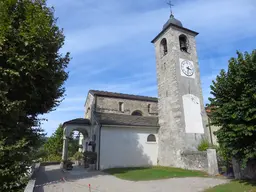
[247,182]
[52,174]
[123,170]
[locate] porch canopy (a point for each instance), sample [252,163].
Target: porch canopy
[80,124]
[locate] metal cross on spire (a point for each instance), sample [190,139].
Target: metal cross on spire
[169,2]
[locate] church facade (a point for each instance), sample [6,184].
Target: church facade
[133,131]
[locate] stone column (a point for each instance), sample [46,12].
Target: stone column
[84,145]
[65,149]
[212,162]
[64,152]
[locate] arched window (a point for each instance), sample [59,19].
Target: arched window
[137,113]
[151,138]
[183,43]
[163,48]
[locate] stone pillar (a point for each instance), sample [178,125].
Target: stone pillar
[65,149]
[84,145]
[212,162]
[64,152]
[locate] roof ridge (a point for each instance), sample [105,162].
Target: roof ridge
[93,90]
[125,114]
[116,94]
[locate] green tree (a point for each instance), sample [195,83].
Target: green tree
[234,107]
[32,73]
[54,144]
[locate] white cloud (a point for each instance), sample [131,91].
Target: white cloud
[219,21]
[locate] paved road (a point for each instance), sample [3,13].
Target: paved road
[52,179]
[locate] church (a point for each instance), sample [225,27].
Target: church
[133,130]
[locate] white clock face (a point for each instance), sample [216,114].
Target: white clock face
[187,68]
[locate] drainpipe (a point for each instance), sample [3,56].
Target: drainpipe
[99,147]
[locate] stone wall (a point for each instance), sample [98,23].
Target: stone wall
[111,105]
[173,139]
[89,106]
[196,160]
[201,160]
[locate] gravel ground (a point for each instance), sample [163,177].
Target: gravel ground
[52,179]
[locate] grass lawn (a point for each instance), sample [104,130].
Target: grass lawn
[235,186]
[152,173]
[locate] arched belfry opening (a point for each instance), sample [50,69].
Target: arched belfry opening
[137,113]
[183,43]
[163,47]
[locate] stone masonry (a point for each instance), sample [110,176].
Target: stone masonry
[111,105]
[173,140]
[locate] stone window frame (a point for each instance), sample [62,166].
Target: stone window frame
[121,106]
[149,108]
[163,47]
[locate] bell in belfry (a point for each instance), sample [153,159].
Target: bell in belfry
[183,46]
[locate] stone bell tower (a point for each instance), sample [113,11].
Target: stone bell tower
[182,116]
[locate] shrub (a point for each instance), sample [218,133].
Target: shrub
[90,157]
[51,157]
[78,155]
[204,145]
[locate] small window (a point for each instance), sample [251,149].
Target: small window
[151,138]
[149,108]
[137,113]
[121,106]
[163,47]
[183,43]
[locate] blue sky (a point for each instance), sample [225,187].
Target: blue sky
[109,41]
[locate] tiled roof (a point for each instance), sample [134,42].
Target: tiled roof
[128,120]
[79,121]
[169,25]
[123,96]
